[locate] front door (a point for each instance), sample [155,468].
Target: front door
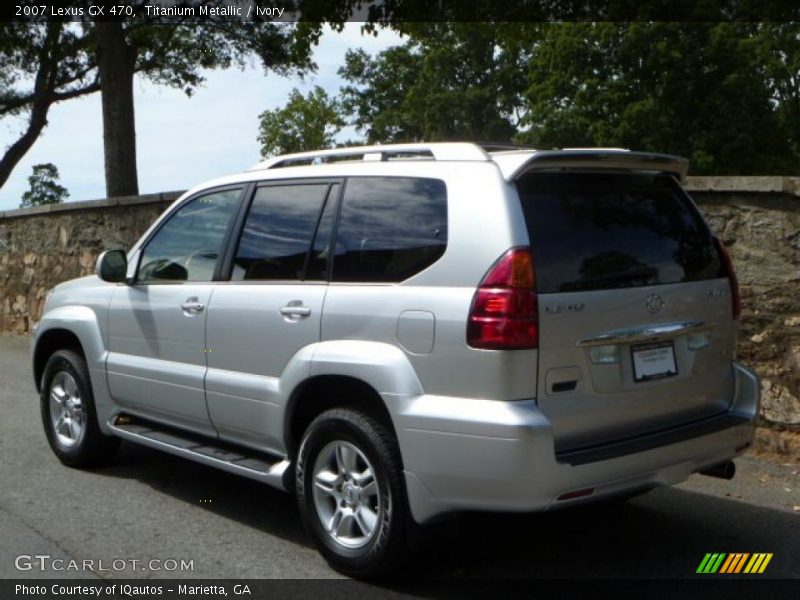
[156,326]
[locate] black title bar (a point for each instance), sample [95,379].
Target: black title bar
[388,11]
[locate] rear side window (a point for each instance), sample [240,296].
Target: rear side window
[593,231]
[390,228]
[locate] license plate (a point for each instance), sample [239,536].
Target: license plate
[653,361]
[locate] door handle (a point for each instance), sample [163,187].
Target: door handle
[295,310]
[192,306]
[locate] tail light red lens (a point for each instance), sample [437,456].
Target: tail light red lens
[736,300]
[505,309]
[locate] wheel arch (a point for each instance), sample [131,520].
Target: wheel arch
[50,342]
[319,393]
[348,373]
[75,327]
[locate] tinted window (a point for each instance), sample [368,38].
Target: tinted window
[320,253]
[601,231]
[187,246]
[278,232]
[390,228]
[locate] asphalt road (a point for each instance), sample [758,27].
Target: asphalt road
[153,506]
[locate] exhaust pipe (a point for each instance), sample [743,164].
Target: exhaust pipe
[724,470]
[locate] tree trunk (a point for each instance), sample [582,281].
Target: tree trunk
[116,61]
[18,149]
[43,87]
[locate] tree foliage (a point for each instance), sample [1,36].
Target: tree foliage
[40,64]
[306,123]
[448,81]
[694,89]
[724,94]
[66,60]
[779,49]
[172,52]
[44,187]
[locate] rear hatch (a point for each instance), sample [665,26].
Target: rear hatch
[635,313]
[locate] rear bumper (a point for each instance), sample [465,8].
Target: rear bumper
[466,454]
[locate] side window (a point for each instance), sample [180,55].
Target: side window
[188,245]
[320,252]
[390,228]
[278,232]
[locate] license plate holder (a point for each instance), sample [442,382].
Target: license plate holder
[655,360]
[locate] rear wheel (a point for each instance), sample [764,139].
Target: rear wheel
[68,413]
[351,494]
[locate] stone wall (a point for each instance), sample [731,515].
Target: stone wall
[40,247]
[757,217]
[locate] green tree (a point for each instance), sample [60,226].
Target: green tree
[448,81]
[694,89]
[306,123]
[68,60]
[780,58]
[171,51]
[376,94]
[44,187]
[55,60]
[724,94]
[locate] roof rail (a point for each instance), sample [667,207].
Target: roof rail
[454,151]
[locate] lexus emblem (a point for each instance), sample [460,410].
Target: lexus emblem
[654,303]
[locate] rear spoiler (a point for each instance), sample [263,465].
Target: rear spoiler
[515,164]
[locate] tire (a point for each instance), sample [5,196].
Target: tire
[68,413]
[349,472]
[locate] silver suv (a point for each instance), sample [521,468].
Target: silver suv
[394,333]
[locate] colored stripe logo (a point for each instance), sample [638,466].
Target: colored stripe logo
[735,562]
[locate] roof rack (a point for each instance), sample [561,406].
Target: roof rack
[454,151]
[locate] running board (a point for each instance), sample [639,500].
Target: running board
[240,461]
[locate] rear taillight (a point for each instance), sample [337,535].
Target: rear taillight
[505,310]
[736,300]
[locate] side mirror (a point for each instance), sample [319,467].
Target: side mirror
[112,266]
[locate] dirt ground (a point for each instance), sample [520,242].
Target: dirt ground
[778,446]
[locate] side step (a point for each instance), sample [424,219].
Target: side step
[241,461]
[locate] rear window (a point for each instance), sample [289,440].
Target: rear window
[595,231]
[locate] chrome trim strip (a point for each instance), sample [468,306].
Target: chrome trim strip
[642,334]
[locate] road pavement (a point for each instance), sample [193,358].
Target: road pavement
[151,506]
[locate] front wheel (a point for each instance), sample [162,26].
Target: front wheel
[351,494]
[68,413]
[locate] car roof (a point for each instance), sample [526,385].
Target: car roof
[511,160]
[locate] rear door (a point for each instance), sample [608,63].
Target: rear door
[636,327]
[270,309]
